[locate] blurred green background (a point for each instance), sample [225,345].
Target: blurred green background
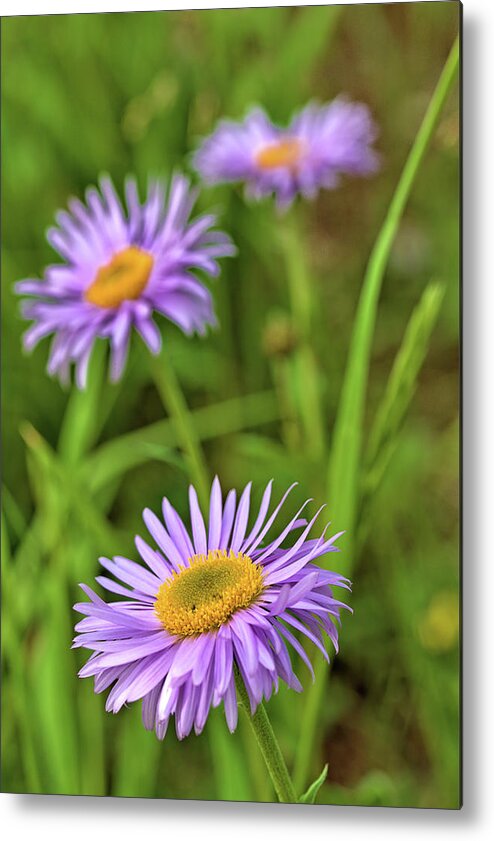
[121,93]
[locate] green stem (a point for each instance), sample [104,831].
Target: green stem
[345,462]
[290,430]
[174,402]
[268,745]
[305,368]
[83,418]
[344,465]
[299,284]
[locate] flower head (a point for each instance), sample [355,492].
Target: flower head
[208,602]
[320,144]
[121,266]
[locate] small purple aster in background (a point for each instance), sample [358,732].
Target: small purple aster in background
[205,606]
[121,265]
[320,144]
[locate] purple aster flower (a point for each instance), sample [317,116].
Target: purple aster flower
[204,604]
[320,144]
[120,266]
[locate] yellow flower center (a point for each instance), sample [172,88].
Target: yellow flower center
[284,153]
[124,278]
[204,595]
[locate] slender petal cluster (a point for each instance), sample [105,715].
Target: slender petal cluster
[122,264]
[221,599]
[320,144]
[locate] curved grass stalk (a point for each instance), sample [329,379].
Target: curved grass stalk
[344,469]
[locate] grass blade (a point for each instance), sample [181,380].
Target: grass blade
[137,757]
[12,649]
[344,469]
[113,459]
[344,463]
[312,792]
[81,419]
[400,387]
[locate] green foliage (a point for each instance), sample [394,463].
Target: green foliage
[401,387]
[344,465]
[84,94]
[313,790]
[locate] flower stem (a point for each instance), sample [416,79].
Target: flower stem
[174,402]
[268,745]
[305,372]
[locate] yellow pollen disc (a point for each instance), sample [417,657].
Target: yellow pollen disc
[285,153]
[202,596]
[124,278]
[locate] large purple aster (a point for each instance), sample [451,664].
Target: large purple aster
[121,266]
[204,605]
[320,144]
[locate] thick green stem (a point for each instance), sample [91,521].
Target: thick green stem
[174,402]
[268,746]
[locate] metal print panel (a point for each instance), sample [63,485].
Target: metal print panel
[230,556]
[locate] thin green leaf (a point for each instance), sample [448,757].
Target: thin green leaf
[345,459]
[68,493]
[137,757]
[92,763]
[13,513]
[344,468]
[313,790]
[27,563]
[306,39]
[230,770]
[12,650]
[13,655]
[401,385]
[53,682]
[115,458]
[82,418]
[50,504]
